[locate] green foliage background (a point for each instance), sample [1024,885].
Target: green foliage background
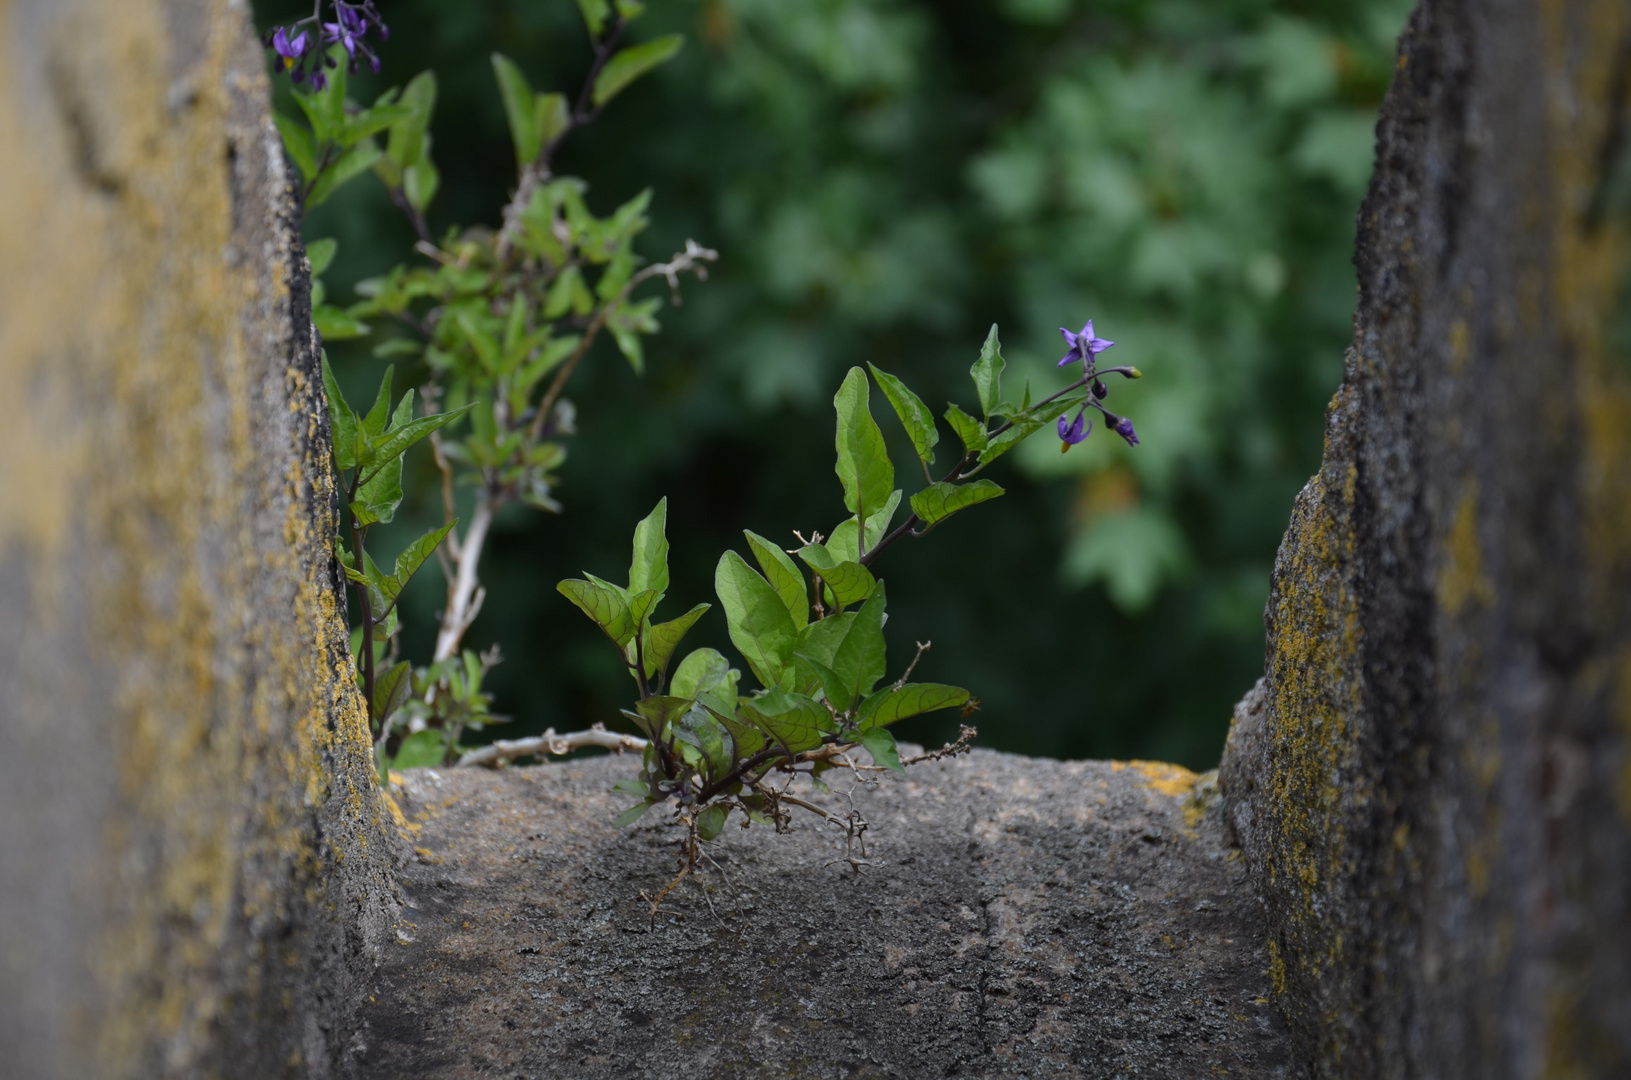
[884,179]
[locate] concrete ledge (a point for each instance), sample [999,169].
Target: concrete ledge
[1020,918]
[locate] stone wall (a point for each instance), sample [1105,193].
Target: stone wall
[1432,783]
[193,867]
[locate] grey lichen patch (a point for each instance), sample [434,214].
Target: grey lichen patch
[1019,918]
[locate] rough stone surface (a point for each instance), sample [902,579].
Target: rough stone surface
[1020,918]
[1432,785]
[193,867]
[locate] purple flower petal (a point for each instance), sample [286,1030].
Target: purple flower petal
[1075,431]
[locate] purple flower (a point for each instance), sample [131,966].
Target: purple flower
[289,51]
[303,56]
[341,33]
[1075,431]
[1083,346]
[1122,426]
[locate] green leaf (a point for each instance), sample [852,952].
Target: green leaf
[604,606]
[595,14]
[551,116]
[649,567]
[298,143]
[630,64]
[664,638]
[336,324]
[792,720]
[915,416]
[347,564]
[379,494]
[391,690]
[420,181]
[850,582]
[840,696]
[375,422]
[519,107]
[641,605]
[515,329]
[604,584]
[421,750]
[325,108]
[863,460]
[889,704]
[628,343]
[968,429]
[411,559]
[482,343]
[406,145]
[937,502]
[654,714]
[633,813]
[987,373]
[712,821]
[706,675]
[820,640]
[372,121]
[342,421]
[637,788]
[881,745]
[547,360]
[844,543]
[558,301]
[860,658]
[712,742]
[783,575]
[745,737]
[353,163]
[320,253]
[398,441]
[760,627]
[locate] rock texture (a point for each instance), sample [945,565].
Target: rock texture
[1019,918]
[193,867]
[1432,784]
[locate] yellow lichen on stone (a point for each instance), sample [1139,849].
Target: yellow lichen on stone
[1173,780]
[1462,580]
[1277,969]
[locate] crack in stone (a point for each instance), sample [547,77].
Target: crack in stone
[983,976]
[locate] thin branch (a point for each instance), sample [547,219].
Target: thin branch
[537,171]
[951,749]
[415,218]
[503,750]
[463,602]
[688,260]
[922,647]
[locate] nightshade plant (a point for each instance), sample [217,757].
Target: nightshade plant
[490,326]
[812,636]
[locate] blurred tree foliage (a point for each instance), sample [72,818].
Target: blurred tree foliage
[885,179]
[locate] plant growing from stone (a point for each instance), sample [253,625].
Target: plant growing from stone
[490,325]
[809,619]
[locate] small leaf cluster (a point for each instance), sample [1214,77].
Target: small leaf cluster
[808,620]
[368,455]
[340,140]
[488,328]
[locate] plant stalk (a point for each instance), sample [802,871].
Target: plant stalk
[462,591]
